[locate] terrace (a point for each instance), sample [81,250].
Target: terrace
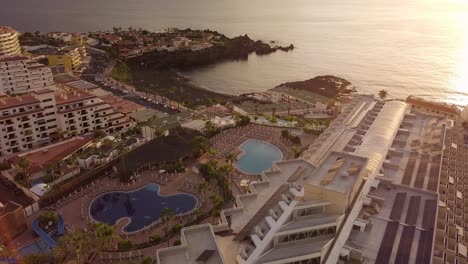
[404,215]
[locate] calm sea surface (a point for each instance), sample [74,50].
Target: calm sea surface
[406,47]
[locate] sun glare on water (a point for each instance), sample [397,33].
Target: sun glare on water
[459,81]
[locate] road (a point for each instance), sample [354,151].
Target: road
[129,92]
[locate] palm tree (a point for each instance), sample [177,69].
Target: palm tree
[172,92]
[203,188]
[24,165]
[74,244]
[383,94]
[167,214]
[217,202]
[197,212]
[103,234]
[231,158]
[123,152]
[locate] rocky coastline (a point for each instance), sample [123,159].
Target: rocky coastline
[326,85]
[237,48]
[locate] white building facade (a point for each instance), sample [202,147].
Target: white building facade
[21,75]
[9,44]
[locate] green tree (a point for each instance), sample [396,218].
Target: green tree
[24,165]
[203,188]
[73,245]
[121,72]
[103,235]
[155,238]
[147,260]
[124,174]
[217,202]
[166,215]
[98,135]
[383,94]
[125,245]
[200,145]
[46,217]
[176,229]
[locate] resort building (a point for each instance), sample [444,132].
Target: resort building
[21,75]
[434,108]
[451,235]
[43,116]
[81,112]
[26,121]
[72,58]
[364,192]
[9,44]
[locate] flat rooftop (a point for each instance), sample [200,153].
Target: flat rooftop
[198,246]
[145,115]
[122,105]
[303,248]
[75,95]
[39,158]
[339,172]
[81,85]
[17,101]
[404,216]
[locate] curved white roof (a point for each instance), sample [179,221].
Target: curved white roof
[381,134]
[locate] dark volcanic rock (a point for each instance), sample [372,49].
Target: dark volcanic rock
[328,86]
[237,48]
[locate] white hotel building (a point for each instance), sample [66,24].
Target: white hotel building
[21,75]
[9,44]
[364,192]
[34,112]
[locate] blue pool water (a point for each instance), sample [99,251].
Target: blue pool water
[143,206]
[258,156]
[39,246]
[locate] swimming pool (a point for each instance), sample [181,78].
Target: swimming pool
[257,156]
[142,206]
[39,246]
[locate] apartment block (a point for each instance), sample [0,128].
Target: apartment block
[81,112]
[21,75]
[9,44]
[26,121]
[71,58]
[43,116]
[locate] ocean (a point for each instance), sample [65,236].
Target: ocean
[407,47]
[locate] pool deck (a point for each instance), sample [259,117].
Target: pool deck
[225,143]
[74,220]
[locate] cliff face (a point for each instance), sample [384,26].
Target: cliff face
[327,85]
[237,48]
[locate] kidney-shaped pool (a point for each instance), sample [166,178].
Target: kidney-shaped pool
[142,206]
